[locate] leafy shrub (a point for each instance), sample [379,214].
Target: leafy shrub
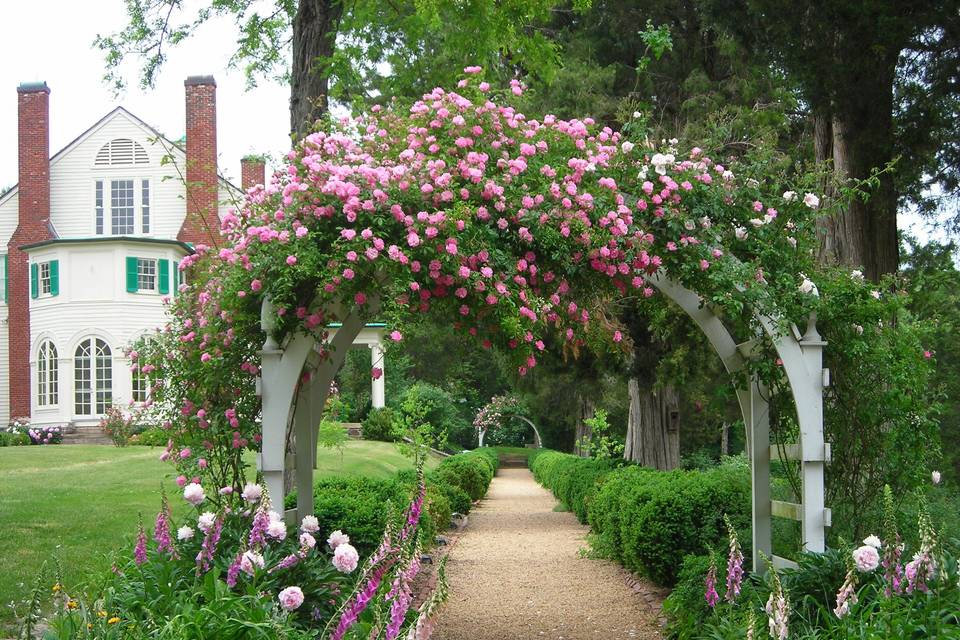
[457,498]
[118,425]
[430,409]
[572,479]
[471,471]
[153,437]
[646,519]
[13,439]
[380,425]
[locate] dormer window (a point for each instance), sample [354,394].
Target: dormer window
[121,207]
[121,202]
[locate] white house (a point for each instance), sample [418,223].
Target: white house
[90,242]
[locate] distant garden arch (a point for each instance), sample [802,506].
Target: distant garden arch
[510,227]
[494,412]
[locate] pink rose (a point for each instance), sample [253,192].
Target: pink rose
[866,558]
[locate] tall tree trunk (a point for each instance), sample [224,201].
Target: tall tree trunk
[314,37]
[653,427]
[585,411]
[857,138]
[725,439]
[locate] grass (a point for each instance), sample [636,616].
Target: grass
[81,503]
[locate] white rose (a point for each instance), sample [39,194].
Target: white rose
[856,275]
[811,201]
[792,241]
[727,175]
[740,232]
[757,222]
[789,196]
[935,477]
[875,294]
[627,147]
[806,286]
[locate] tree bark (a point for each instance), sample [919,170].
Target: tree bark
[585,410]
[855,131]
[653,427]
[725,439]
[314,37]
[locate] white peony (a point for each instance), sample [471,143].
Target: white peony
[310,524]
[873,541]
[277,529]
[193,493]
[807,286]
[252,492]
[789,196]
[205,521]
[337,538]
[856,275]
[184,533]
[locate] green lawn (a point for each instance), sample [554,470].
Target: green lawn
[81,502]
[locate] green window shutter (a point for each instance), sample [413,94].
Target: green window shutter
[54,277]
[6,278]
[131,274]
[34,280]
[176,277]
[164,276]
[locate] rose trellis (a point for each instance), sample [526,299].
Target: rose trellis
[492,415]
[512,228]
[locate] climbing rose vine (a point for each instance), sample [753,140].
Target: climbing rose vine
[512,227]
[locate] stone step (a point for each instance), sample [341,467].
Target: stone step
[354,429]
[85,435]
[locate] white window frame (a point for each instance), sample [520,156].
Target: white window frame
[139,386]
[98,365]
[140,206]
[156,275]
[44,280]
[48,375]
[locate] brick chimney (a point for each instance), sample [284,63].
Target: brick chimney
[253,171]
[201,224]
[33,225]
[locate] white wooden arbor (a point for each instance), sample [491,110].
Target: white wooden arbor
[300,405]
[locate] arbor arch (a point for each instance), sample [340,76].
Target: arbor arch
[290,397]
[511,228]
[505,407]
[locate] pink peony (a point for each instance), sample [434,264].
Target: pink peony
[866,558]
[345,558]
[193,493]
[290,598]
[250,562]
[396,336]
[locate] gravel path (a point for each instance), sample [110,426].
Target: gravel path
[517,573]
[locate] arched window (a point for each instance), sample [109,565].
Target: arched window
[120,152]
[47,375]
[92,377]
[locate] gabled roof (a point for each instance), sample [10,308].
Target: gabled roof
[100,123]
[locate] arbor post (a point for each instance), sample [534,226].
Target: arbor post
[814,451]
[758,450]
[378,388]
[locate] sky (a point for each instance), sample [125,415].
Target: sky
[254,121]
[248,121]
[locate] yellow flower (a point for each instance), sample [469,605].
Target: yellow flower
[101,614]
[113,620]
[56,587]
[89,626]
[71,604]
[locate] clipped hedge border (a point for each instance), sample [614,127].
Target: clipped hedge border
[357,504]
[649,520]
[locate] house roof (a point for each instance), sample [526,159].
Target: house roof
[99,123]
[105,239]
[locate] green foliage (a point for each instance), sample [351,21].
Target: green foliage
[153,437]
[471,471]
[600,444]
[13,439]
[650,520]
[380,424]
[433,412]
[572,479]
